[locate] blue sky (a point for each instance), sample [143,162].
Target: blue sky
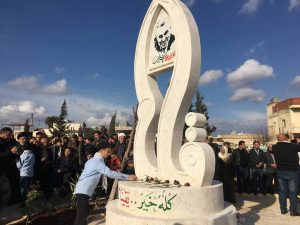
[83,51]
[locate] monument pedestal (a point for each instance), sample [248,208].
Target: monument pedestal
[142,203]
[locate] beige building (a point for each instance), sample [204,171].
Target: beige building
[123,129]
[284,117]
[234,139]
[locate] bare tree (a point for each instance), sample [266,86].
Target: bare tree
[262,135]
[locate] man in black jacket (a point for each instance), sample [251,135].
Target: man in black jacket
[287,161]
[256,164]
[241,161]
[7,157]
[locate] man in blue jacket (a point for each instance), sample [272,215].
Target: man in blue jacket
[25,164]
[87,183]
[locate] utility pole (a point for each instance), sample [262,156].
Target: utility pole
[32,122]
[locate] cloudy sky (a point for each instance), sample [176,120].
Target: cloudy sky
[83,51]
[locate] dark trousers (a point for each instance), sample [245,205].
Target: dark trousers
[46,180]
[4,190]
[299,179]
[13,176]
[242,179]
[82,209]
[270,182]
[257,182]
[25,187]
[288,181]
[110,183]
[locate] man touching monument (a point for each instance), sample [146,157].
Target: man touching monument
[89,179]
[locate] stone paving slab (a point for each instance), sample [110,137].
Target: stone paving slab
[262,210]
[10,213]
[251,209]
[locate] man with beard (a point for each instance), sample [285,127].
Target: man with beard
[121,146]
[25,164]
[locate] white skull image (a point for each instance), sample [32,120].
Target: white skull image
[163,36]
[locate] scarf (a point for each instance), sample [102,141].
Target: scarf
[224,156]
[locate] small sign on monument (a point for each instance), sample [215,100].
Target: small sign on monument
[163,44]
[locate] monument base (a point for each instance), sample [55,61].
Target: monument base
[142,203]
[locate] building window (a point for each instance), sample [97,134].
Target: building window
[283,123]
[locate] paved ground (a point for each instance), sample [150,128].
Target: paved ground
[10,213]
[251,210]
[262,210]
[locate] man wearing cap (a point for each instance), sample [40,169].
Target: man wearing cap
[121,145]
[25,164]
[88,180]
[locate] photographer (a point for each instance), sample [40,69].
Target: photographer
[25,164]
[8,178]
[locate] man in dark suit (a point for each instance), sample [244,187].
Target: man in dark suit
[287,160]
[256,163]
[270,170]
[241,161]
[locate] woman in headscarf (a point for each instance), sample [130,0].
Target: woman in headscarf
[227,174]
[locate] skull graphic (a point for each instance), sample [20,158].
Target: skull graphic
[163,36]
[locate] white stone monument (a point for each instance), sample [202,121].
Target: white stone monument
[177,186]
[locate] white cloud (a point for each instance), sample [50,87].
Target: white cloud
[96,121]
[59,87]
[294,4]
[248,73]
[90,109]
[241,123]
[296,83]
[189,3]
[250,115]
[257,47]
[210,76]
[24,83]
[248,94]
[18,112]
[93,76]
[32,84]
[59,70]
[105,118]
[251,6]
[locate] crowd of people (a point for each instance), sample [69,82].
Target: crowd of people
[53,163]
[258,172]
